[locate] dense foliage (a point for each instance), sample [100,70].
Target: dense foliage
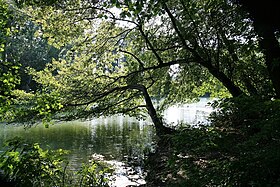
[241,147]
[26,164]
[116,56]
[8,69]
[97,58]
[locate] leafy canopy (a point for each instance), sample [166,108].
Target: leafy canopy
[112,51]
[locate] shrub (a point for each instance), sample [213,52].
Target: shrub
[29,165]
[241,146]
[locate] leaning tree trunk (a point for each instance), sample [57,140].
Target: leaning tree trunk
[160,128]
[234,90]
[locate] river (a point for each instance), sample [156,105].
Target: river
[123,141]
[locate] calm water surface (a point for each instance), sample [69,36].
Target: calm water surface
[122,141]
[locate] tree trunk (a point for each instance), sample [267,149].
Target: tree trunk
[271,49]
[265,16]
[234,90]
[160,128]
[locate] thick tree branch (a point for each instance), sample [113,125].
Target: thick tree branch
[159,66]
[234,58]
[196,28]
[177,30]
[149,44]
[160,128]
[229,84]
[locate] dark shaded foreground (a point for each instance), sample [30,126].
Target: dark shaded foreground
[241,147]
[5,183]
[157,175]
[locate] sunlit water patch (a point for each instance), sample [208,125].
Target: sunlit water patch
[192,113]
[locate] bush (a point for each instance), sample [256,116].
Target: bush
[95,174]
[241,147]
[26,164]
[255,146]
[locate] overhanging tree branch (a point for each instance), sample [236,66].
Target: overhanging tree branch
[149,105]
[160,61]
[196,28]
[177,30]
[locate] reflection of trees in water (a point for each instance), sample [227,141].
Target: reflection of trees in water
[127,141]
[118,138]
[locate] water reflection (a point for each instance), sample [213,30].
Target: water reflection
[123,141]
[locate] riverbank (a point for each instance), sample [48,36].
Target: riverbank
[240,147]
